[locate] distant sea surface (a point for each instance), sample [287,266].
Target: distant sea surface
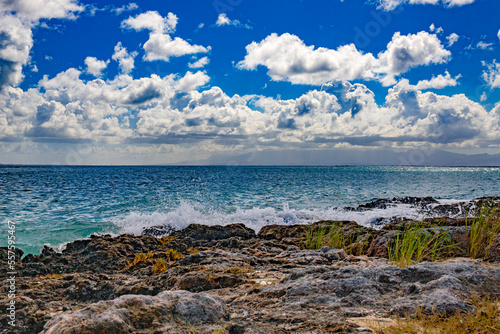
[55,205]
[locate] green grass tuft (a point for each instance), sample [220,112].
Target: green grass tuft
[483,230]
[415,243]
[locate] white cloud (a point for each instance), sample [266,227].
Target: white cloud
[223,20]
[33,10]
[498,34]
[125,8]
[192,81]
[452,39]
[392,4]
[405,52]
[160,45]
[483,97]
[289,59]
[171,110]
[439,82]
[152,21]
[492,74]
[124,58]
[15,45]
[95,66]
[433,28]
[199,63]
[484,46]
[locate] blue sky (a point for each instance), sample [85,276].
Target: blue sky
[180,81]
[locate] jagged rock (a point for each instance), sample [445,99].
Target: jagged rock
[158,230]
[167,312]
[196,235]
[99,254]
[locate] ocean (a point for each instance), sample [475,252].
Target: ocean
[54,205]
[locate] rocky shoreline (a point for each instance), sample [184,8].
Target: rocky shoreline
[228,279]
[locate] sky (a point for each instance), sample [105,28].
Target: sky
[182,82]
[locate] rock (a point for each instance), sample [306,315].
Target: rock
[196,235]
[439,301]
[158,230]
[385,203]
[104,254]
[196,282]
[169,311]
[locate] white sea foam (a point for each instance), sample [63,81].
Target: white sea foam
[255,218]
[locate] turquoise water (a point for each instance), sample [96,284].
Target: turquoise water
[55,205]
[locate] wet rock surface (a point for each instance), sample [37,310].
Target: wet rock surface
[230,279]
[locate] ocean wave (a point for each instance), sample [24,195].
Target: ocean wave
[256,218]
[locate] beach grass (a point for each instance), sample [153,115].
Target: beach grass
[416,243]
[483,230]
[319,236]
[333,236]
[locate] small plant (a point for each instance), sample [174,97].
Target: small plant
[165,240]
[483,230]
[193,251]
[51,276]
[139,258]
[319,236]
[416,243]
[160,266]
[237,270]
[173,255]
[219,330]
[485,320]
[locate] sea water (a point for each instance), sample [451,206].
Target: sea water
[53,205]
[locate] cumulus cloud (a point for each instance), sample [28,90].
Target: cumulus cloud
[438,82]
[160,45]
[192,81]
[492,74]
[124,58]
[153,21]
[15,45]
[498,34]
[95,66]
[34,10]
[289,59]
[223,20]
[199,63]
[392,4]
[452,39]
[175,110]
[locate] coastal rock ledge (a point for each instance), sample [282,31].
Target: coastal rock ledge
[214,279]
